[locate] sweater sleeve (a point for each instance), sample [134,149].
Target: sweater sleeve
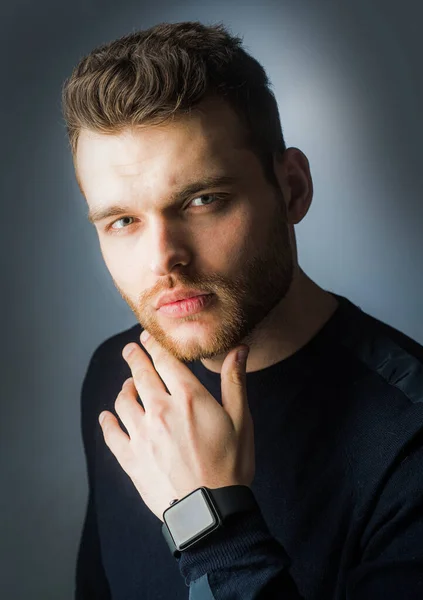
[244,561]
[240,560]
[391,553]
[91,582]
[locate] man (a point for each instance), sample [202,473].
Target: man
[312,448]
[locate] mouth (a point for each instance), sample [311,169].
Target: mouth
[188,306]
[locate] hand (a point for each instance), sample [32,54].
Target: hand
[184,439]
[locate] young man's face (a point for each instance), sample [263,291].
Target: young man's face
[237,247]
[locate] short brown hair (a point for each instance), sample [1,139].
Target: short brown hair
[149,76]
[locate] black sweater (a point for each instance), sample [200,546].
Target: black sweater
[339,480]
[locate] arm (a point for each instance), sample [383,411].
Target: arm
[391,564]
[91,582]
[243,561]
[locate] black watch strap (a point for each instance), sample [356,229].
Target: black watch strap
[233,499]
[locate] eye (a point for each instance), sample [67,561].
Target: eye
[218,199]
[117,221]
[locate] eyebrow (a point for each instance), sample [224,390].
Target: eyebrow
[96,214]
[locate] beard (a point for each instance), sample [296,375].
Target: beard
[244,301]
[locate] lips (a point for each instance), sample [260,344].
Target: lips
[175,296]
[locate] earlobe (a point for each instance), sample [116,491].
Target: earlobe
[300,202]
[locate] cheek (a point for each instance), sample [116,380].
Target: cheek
[123,266]
[241,233]
[111,259]
[226,245]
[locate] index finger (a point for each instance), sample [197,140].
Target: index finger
[175,375]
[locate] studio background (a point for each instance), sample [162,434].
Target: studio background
[349,86]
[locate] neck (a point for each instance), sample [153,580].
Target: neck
[288,327]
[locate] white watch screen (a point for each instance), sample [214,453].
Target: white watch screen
[189,518]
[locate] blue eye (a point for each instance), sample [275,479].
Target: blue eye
[117,221]
[206,196]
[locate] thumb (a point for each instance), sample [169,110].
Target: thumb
[234,384]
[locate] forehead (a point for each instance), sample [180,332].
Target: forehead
[210,137]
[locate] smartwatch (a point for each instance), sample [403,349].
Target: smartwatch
[197,515]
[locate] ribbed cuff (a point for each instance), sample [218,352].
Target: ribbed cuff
[243,536]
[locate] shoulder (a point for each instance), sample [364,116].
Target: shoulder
[383,373]
[379,356]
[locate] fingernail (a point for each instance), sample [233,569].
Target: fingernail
[145,335]
[128,349]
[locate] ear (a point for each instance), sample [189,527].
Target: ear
[292,170]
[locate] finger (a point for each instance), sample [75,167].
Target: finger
[234,388]
[115,438]
[175,374]
[128,408]
[146,379]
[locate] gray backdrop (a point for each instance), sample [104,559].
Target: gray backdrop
[348,80]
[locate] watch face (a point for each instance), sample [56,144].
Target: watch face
[190,519]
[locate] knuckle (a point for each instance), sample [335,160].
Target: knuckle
[161,423]
[140,373]
[187,402]
[120,401]
[186,392]
[159,412]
